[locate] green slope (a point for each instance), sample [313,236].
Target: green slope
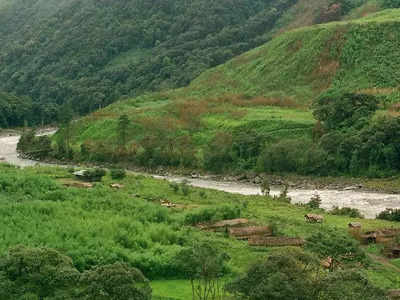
[102,225]
[228,113]
[91,53]
[356,55]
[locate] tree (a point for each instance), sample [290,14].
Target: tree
[265,187]
[337,109]
[296,274]
[287,274]
[391,3]
[204,264]
[349,285]
[115,282]
[123,123]
[37,272]
[65,116]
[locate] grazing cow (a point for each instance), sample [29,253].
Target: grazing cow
[314,218]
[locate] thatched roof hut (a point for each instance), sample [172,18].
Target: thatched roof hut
[393,294]
[275,241]
[314,218]
[384,235]
[355,225]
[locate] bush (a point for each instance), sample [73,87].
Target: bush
[391,3]
[40,272]
[315,202]
[204,264]
[118,173]
[346,211]
[390,214]
[185,188]
[287,274]
[213,214]
[116,281]
[174,186]
[94,174]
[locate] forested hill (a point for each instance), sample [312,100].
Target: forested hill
[89,53]
[253,113]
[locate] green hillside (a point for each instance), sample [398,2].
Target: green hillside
[87,54]
[230,115]
[90,53]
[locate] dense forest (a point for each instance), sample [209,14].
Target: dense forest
[90,53]
[87,54]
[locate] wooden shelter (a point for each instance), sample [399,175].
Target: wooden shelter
[275,241]
[311,218]
[393,294]
[384,235]
[354,225]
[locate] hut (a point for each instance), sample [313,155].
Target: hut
[275,241]
[244,233]
[393,294]
[384,235]
[355,225]
[396,252]
[369,237]
[311,218]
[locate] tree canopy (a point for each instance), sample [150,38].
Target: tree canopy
[90,53]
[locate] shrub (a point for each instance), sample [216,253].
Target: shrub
[94,174]
[390,214]
[185,188]
[346,211]
[204,264]
[213,214]
[391,3]
[118,173]
[40,272]
[315,202]
[174,186]
[116,281]
[287,274]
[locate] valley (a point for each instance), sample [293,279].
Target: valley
[204,150]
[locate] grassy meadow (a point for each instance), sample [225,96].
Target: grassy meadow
[102,225]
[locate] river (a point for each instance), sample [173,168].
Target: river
[369,203]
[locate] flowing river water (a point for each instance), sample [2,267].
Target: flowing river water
[369,203]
